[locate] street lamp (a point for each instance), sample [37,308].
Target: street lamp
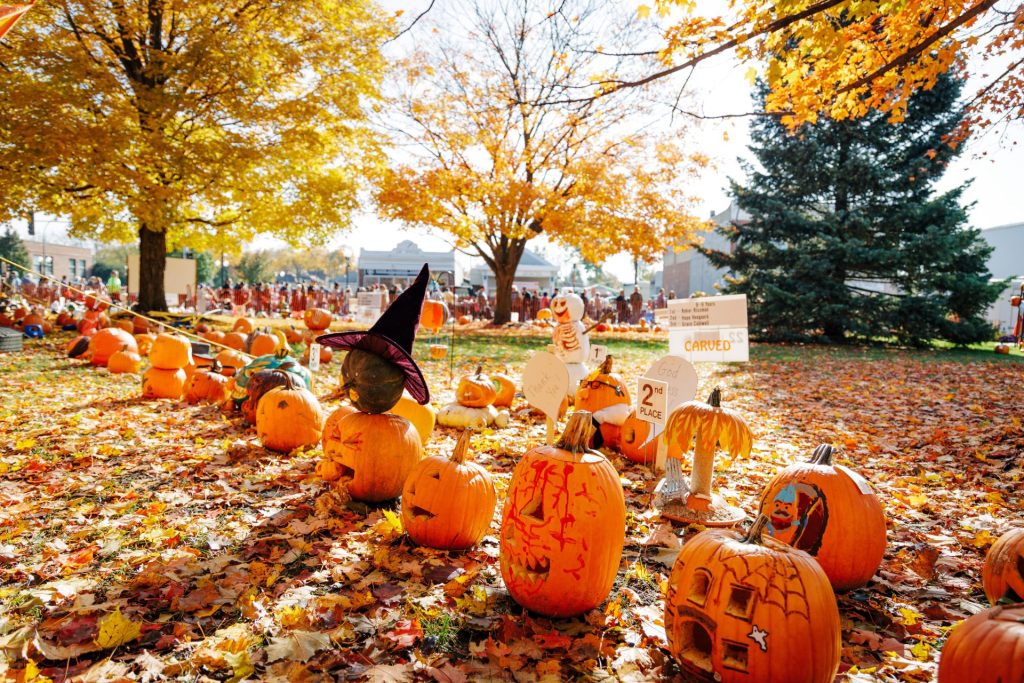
[223,270]
[348,254]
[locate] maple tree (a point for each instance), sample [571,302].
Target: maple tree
[493,171]
[847,234]
[194,124]
[843,58]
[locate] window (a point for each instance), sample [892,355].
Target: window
[74,267]
[48,265]
[741,602]
[735,655]
[81,267]
[699,587]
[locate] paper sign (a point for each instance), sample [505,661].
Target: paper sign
[708,311]
[598,353]
[652,401]
[370,300]
[546,383]
[710,328]
[679,374]
[314,357]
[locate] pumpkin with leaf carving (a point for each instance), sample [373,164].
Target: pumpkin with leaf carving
[1002,575]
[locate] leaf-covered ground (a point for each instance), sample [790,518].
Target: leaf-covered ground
[148,540]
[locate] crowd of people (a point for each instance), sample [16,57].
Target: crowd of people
[48,292]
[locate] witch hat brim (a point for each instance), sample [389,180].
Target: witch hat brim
[392,336]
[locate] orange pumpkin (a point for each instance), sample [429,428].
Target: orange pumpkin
[476,391]
[263,343]
[139,325]
[830,512]
[231,361]
[326,355]
[330,431]
[563,526]
[207,384]
[234,340]
[601,388]
[465,319]
[293,335]
[243,325]
[438,351]
[448,503]
[161,383]
[986,648]
[744,608]
[1003,572]
[215,336]
[145,343]
[78,346]
[109,341]
[317,319]
[258,384]
[433,315]
[170,352]
[289,417]
[544,314]
[124,361]
[375,454]
[125,325]
[506,389]
[635,440]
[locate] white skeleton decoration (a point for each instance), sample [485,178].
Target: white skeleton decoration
[571,342]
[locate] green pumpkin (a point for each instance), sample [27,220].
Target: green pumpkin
[373,384]
[270,362]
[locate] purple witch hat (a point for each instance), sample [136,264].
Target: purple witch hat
[391,337]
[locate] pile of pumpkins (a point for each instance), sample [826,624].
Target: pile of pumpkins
[477,400]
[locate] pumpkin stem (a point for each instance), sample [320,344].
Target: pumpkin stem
[461,447]
[822,455]
[606,365]
[281,352]
[715,399]
[479,370]
[291,381]
[577,433]
[756,531]
[216,367]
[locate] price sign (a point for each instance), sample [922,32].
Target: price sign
[652,401]
[314,357]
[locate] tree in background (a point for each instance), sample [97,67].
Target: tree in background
[13,249]
[493,171]
[847,235]
[255,266]
[195,123]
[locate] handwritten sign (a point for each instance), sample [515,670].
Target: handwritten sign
[680,380]
[710,328]
[545,385]
[652,401]
[598,353]
[314,357]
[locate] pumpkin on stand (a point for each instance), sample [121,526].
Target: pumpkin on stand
[744,608]
[830,512]
[448,503]
[473,407]
[985,648]
[289,416]
[1002,575]
[433,315]
[563,526]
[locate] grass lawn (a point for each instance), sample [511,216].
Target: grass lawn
[154,539]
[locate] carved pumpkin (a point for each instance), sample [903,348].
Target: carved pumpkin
[601,388]
[78,346]
[289,417]
[330,432]
[447,503]
[373,384]
[170,352]
[1003,572]
[109,341]
[234,340]
[263,343]
[563,525]
[376,452]
[163,383]
[231,361]
[243,325]
[145,342]
[423,417]
[124,361]
[433,315]
[635,440]
[746,608]
[258,384]
[207,384]
[707,424]
[986,648]
[506,389]
[830,512]
[317,319]
[476,391]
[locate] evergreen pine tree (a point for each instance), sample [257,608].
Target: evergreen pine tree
[13,249]
[847,236]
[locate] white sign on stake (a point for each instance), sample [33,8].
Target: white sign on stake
[710,328]
[680,380]
[314,357]
[545,385]
[652,401]
[598,353]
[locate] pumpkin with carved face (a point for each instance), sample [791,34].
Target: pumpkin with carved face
[448,503]
[635,440]
[986,648]
[563,526]
[373,454]
[1003,572]
[567,308]
[476,391]
[748,609]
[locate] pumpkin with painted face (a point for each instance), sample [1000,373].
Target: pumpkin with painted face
[373,454]
[563,525]
[448,503]
[476,391]
[567,308]
[986,648]
[749,609]
[601,388]
[1003,572]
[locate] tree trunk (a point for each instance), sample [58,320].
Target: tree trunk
[504,265]
[152,261]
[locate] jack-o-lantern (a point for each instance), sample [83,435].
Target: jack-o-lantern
[330,432]
[506,389]
[1003,573]
[635,440]
[830,512]
[448,503]
[563,525]
[986,648]
[375,453]
[748,609]
[373,383]
[317,319]
[601,388]
[423,417]
[289,416]
[567,307]
[433,315]
[476,391]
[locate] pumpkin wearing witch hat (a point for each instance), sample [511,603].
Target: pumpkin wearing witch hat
[372,451]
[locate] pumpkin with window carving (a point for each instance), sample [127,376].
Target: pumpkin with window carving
[830,512]
[476,391]
[448,503]
[163,383]
[985,648]
[207,384]
[1003,572]
[289,417]
[563,525]
[745,608]
[635,440]
[505,387]
[373,454]
[125,361]
[170,352]
[109,341]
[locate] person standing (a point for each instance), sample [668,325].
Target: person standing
[621,313]
[114,286]
[636,305]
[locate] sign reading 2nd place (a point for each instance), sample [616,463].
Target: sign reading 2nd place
[710,328]
[652,400]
